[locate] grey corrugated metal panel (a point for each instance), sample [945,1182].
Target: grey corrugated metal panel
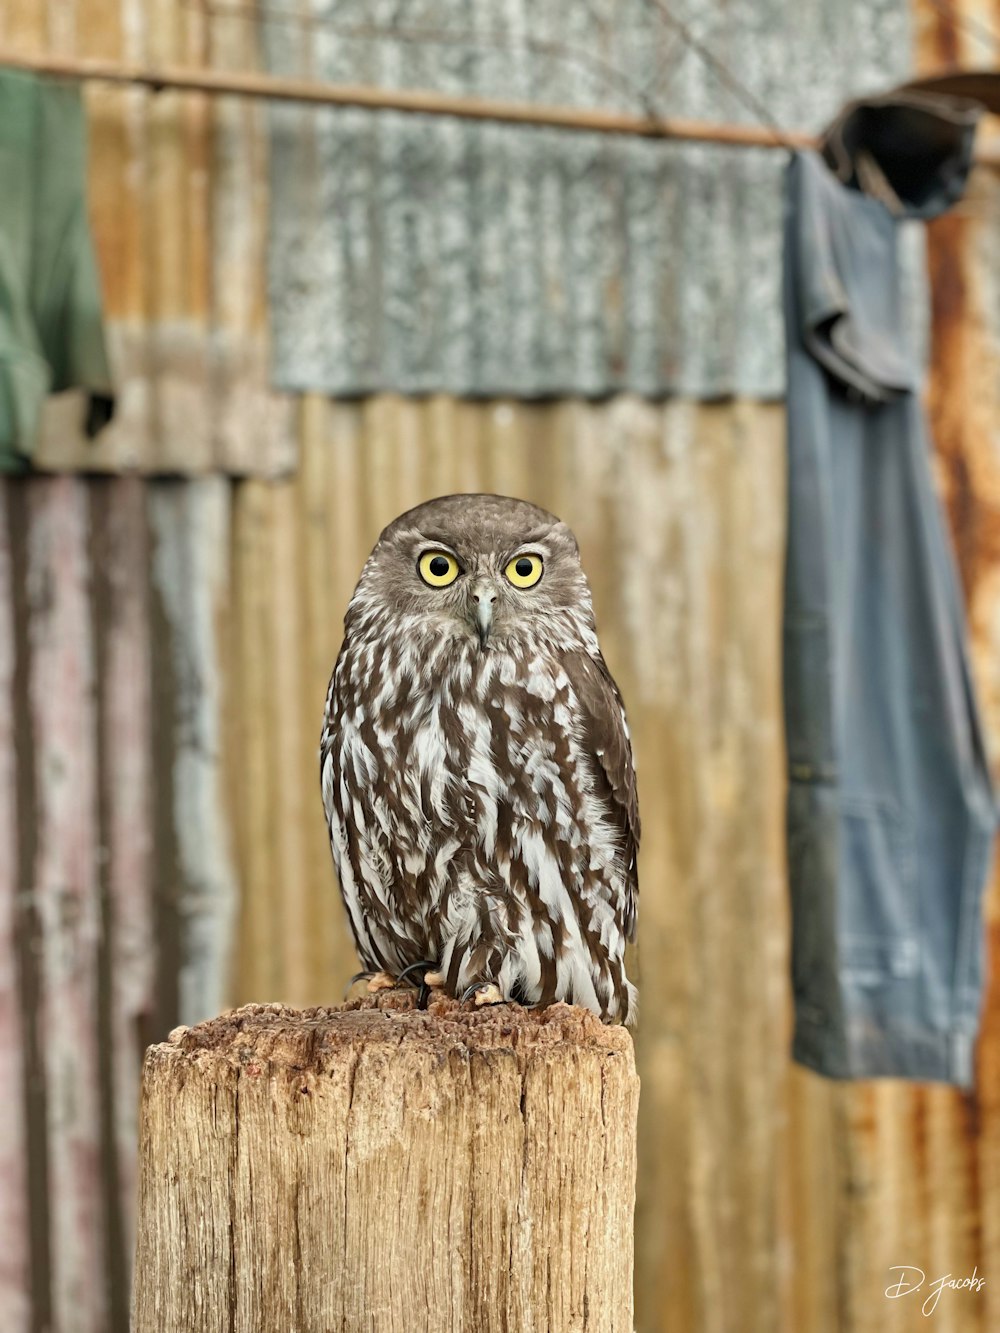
[422,255]
[178,187]
[189,568]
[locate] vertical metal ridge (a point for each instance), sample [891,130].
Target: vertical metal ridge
[103,556]
[29,926]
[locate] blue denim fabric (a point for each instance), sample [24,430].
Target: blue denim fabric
[890,811]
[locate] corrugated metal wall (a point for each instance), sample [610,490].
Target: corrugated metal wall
[164,648]
[421,254]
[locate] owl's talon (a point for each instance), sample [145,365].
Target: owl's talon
[416,967]
[424,989]
[483,992]
[358,976]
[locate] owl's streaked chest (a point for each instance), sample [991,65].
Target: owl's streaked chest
[456,746]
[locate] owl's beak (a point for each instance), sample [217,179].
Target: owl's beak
[483,600]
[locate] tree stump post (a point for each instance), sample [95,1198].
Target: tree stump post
[379,1168]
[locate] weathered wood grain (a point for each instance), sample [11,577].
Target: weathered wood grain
[381,1169]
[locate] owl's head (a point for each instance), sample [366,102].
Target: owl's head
[484,569]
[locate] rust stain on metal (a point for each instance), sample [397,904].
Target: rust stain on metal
[988,1083]
[961,419]
[963,407]
[918,1130]
[946,399]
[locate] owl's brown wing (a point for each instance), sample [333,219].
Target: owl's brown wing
[606,737]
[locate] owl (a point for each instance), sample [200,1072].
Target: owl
[476,766]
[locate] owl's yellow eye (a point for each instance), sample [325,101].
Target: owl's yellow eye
[438,568]
[524,571]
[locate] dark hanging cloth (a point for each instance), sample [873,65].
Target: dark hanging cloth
[890,810]
[51,335]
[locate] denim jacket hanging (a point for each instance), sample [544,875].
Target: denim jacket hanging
[890,810]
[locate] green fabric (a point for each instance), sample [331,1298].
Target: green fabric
[51,336]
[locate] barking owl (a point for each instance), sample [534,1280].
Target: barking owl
[476,766]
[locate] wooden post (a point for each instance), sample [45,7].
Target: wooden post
[379,1168]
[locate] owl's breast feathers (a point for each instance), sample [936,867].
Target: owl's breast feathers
[483,813]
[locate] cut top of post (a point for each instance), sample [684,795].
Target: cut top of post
[303,1038]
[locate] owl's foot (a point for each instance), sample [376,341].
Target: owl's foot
[376,981]
[380,981]
[483,992]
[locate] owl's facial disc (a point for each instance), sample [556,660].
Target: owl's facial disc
[489,584]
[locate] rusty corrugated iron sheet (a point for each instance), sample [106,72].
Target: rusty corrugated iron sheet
[412,254]
[769,1199]
[178,201]
[964,406]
